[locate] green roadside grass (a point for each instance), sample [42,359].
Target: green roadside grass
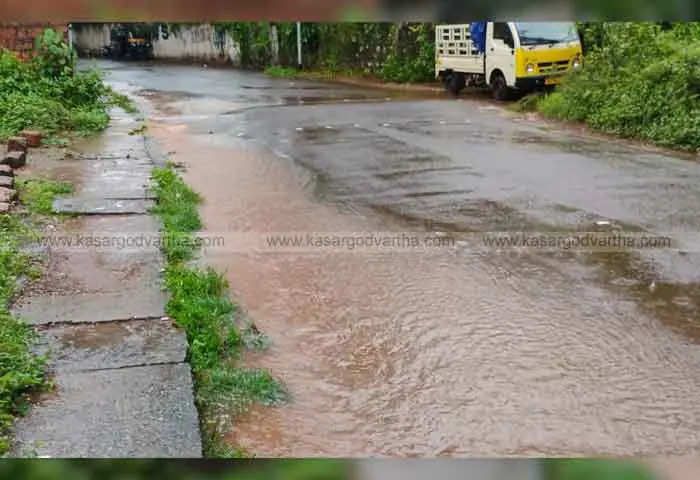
[595,469]
[282,72]
[21,371]
[38,194]
[200,304]
[315,74]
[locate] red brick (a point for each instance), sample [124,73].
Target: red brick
[33,138]
[20,37]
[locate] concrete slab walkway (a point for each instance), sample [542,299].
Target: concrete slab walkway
[123,387]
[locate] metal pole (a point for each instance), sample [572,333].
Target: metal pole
[70,36]
[299,45]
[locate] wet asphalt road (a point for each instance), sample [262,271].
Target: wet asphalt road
[451,351]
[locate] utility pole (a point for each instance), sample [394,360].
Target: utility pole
[299,64]
[70,36]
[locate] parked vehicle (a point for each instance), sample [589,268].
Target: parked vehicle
[506,56]
[130,42]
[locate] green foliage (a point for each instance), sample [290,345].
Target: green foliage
[638,81]
[13,263]
[48,93]
[123,102]
[177,208]
[20,370]
[216,447]
[238,386]
[38,194]
[398,53]
[253,39]
[283,72]
[585,469]
[199,304]
[413,59]
[527,103]
[54,59]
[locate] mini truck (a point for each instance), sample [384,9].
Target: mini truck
[506,56]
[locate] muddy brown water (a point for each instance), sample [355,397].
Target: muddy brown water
[443,352]
[433,354]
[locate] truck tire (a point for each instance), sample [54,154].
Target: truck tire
[455,82]
[499,87]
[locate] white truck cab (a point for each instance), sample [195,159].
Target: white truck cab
[505,56]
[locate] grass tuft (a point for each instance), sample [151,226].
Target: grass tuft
[177,208]
[283,72]
[199,304]
[122,101]
[38,194]
[236,388]
[527,103]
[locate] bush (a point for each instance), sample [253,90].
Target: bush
[54,59]
[416,64]
[640,82]
[48,93]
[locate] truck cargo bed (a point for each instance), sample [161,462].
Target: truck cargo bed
[454,50]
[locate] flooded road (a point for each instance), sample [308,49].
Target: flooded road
[453,351]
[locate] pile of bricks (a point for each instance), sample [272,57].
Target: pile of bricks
[21,37]
[15,157]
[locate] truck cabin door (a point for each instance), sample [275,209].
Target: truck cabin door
[500,51]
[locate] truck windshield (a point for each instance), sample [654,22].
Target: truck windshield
[534,33]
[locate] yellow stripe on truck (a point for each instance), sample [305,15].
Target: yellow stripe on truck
[540,55]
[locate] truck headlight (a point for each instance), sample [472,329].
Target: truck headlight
[530,68]
[576,63]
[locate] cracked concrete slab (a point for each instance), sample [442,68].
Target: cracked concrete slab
[123,388]
[145,412]
[101,253]
[107,176]
[144,303]
[134,194]
[112,345]
[101,206]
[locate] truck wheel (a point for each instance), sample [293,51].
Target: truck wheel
[455,82]
[499,87]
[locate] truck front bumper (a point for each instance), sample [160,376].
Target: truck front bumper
[529,84]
